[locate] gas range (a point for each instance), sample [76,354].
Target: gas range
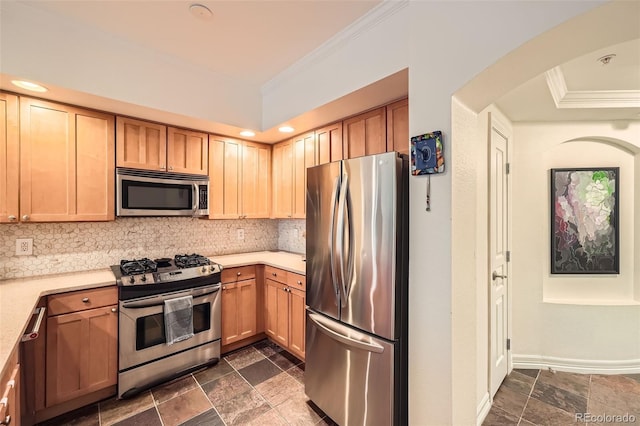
[144,277]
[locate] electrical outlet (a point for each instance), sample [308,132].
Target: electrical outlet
[241,234]
[24,246]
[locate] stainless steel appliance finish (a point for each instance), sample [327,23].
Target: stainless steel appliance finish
[148,193]
[357,263]
[144,357]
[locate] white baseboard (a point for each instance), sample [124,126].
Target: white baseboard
[483,409]
[583,366]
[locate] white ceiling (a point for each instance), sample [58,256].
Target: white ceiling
[249,40]
[585,89]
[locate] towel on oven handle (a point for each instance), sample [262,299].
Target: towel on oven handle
[178,319]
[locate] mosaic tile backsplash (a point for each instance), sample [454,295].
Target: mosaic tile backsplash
[292,235]
[68,247]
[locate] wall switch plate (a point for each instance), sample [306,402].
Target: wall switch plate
[241,234]
[24,246]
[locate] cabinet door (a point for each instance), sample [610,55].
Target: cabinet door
[66,163]
[9,158]
[247,318]
[140,144]
[282,179]
[365,134]
[304,156]
[225,176]
[230,309]
[329,143]
[81,353]
[187,151]
[256,180]
[398,126]
[297,322]
[277,312]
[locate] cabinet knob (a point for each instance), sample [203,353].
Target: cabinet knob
[85,300]
[162,167]
[274,274]
[224,288]
[170,167]
[114,310]
[12,217]
[25,217]
[6,421]
[299,282]
[239,273]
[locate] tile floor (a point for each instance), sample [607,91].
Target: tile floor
[257,385]
[544,398]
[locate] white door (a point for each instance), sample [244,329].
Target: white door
[498,252]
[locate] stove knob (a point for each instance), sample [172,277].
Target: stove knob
[132,280]
[144,278]
[204,269]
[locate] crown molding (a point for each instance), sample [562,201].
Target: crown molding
[563,98]
[363,24]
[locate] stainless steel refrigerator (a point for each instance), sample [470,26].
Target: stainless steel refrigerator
[357,264]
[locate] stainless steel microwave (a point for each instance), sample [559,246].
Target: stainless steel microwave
[148,193]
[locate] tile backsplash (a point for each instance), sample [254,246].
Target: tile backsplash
[67,247]
[292,235]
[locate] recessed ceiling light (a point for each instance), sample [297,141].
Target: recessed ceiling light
[200,11]
[247,133]
[29,86]
[286,129]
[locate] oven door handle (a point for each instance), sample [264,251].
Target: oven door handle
[159,300]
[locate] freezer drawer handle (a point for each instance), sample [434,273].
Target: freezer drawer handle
[369,347]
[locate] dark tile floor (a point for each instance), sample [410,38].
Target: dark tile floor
[545,398]
[257,385]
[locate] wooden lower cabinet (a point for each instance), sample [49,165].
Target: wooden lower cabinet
[81,353]
[239,316]
[285,312]
[10,391]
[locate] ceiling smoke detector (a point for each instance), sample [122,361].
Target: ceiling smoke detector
[200,11]
[606,59]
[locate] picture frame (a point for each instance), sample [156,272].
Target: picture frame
[584,216]
[427,154]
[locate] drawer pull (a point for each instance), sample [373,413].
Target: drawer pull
[85,300]
[6,421]
[35,332]
[274,274]
[299,282]
[239,273]
[114,310]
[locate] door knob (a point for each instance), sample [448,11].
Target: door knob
[495,275]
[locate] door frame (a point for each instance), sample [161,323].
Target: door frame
[498,122]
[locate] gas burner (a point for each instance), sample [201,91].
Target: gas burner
[190,260]
[140,266]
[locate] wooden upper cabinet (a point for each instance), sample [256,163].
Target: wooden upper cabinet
[329,143]
[187,151]
[282,180]
[398,126]
[240,176]
[225,160]
[365,134]
[304,147]
[140,144]
[67,163]
[9,158]
[256,180]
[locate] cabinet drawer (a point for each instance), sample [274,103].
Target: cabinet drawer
[241,273]
[297,281]
[81,300]
[275,274]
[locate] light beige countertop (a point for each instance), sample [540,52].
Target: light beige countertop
[19,297]
[292,262]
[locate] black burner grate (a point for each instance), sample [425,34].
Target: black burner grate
[139,266]
[190,260]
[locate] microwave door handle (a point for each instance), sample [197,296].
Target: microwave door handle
[195,198]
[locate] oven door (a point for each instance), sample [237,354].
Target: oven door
[141,326]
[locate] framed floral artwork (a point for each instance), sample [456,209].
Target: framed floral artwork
[584,221]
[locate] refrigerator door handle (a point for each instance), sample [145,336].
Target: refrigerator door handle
[332,234]
[340,236]
[349,237]
[326,326]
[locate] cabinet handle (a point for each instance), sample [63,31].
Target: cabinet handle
[299,282]
[170,167]
[12,217]
[224,288]
[35,332]
[162,167]
[239,273]
[85,300]
[6,421]
[114,310]
[274,274]
[25,217]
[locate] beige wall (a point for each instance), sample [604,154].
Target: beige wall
[581,323]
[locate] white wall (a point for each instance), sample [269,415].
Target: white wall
[573,322]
